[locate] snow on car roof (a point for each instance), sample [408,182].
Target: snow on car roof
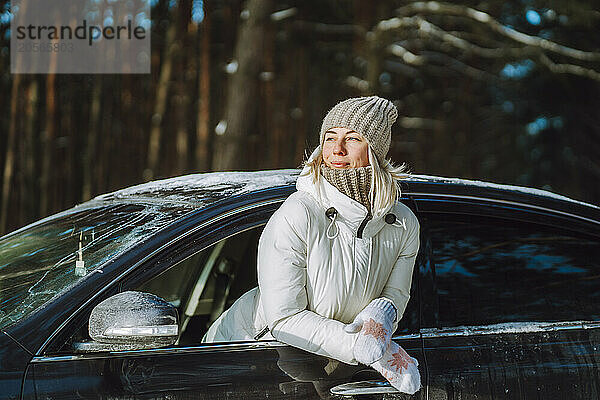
[175,197]
[523,189]
[178,195]
[201,189]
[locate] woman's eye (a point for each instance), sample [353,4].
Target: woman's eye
[353,138]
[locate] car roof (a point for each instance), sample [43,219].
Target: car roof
[182,194]
[200,190]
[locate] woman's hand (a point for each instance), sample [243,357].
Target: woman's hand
[399,369]
[374,325]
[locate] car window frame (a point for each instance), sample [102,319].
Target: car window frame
[226,221]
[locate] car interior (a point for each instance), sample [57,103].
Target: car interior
[207,283]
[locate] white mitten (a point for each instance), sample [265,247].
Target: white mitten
[375,324]
[399,369]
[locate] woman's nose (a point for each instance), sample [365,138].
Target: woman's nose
[339,148]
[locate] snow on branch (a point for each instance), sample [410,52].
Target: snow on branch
[407,56]
[533,46]
[458,66]
[568,68]
[434,7]
[468,47]
[328,29]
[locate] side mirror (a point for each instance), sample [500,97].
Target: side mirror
[131,321]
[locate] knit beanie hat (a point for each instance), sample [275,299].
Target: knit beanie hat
[371,116]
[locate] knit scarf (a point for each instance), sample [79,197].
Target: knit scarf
[353,182]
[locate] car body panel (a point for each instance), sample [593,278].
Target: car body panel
[546,360]
[556,362]
[241,371]
[13,361]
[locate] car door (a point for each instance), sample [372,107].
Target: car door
[514,305]
[202,274]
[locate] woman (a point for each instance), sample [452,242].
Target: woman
[335,261]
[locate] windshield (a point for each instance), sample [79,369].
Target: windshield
[41,262]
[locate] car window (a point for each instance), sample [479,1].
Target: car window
[497,271]
[207,283]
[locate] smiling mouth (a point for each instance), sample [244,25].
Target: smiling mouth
[339,164]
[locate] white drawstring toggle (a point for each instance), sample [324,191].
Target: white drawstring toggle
[332,214]
[402,224]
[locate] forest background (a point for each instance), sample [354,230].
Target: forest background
[503,91]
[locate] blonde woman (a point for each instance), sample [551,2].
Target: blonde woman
[335,261]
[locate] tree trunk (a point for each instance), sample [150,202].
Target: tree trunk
[28,199]
[160,105]
[302,105]
[47,145]
[90,148]
[241,109]
[181,96]
[272,108]
[203,123]
[65,196]
[10,155]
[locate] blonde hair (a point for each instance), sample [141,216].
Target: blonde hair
[385,177]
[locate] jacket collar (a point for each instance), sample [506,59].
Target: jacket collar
[350,212]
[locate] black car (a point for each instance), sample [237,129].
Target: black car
[505,298]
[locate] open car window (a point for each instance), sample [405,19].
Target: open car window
[210,281]
[207,283]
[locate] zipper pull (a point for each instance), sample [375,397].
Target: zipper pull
[361,228]
[261,333]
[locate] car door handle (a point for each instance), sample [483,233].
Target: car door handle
[363,387]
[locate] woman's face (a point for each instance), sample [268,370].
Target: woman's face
[344,148]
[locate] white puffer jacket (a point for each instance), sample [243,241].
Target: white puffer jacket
[316,273]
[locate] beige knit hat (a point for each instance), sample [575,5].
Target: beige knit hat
[371,116]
